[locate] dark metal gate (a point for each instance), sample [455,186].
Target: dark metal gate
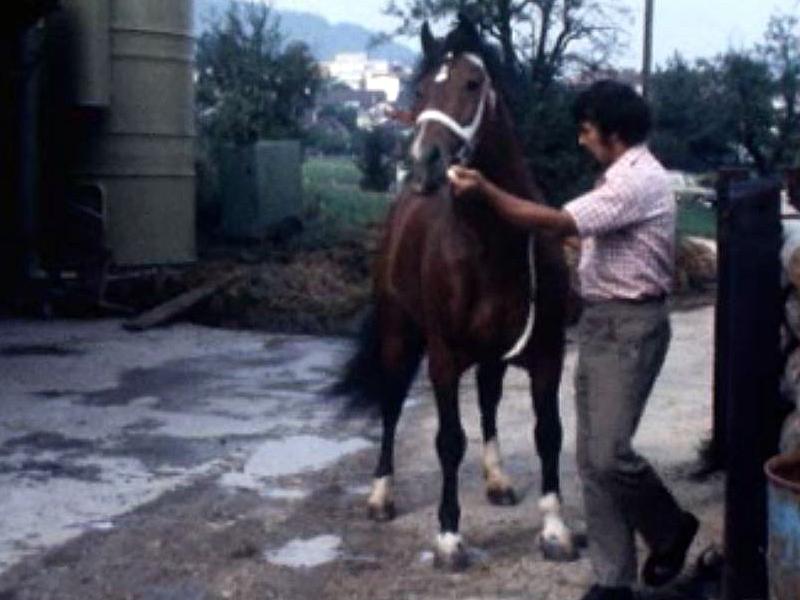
[747,370]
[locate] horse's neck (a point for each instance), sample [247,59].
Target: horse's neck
[501,160]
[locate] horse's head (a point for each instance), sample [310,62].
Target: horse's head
[455,97]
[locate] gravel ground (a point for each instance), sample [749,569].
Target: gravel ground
[194,463]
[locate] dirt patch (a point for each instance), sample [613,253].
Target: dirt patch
[317,286]
[317,291]
[215,541]
[295,287]
[204,542]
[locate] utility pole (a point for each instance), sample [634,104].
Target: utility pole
[647,64]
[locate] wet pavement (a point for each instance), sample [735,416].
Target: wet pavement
[190,462]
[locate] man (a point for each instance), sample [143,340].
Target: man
[627,231]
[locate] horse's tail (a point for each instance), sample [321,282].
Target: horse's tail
[368,383]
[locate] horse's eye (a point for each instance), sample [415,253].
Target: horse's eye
[418,94]
[473,85]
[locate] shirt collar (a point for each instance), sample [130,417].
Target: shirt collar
[628,159]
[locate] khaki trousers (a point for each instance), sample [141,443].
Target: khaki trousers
[622,346]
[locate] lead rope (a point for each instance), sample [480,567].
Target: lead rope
[526,333]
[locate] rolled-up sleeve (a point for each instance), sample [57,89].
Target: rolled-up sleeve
[610,207]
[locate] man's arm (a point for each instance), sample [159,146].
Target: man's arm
[521,213]
[529,215]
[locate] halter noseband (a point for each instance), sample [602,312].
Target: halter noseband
[467,132]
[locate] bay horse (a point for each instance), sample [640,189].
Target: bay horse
[455,282]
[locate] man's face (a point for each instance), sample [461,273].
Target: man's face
[596,144]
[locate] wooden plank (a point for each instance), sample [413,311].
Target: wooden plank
[180,304]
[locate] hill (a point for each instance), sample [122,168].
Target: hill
[325,39]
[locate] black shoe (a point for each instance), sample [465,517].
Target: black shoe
[599,592]
[662,567]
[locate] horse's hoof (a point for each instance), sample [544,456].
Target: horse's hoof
[450,553]
[559,548]
[381,513]
[502,496]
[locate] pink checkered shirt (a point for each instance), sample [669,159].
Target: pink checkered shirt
[627,230]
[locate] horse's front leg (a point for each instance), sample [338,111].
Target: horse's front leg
[451,444]
[557,541]
[490,388]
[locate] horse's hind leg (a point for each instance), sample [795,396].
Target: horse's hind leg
[380,505]
[401,352]
[490,388]
[557,541]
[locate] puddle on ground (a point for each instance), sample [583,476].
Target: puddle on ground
[475,556]
[284,494]
[290,456]
[145,402]
[30,513]
[359,490]
[306,553]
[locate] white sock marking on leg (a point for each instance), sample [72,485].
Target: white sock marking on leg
[448,543]
[491,456]
[381,492]
[493,466]
[554,527]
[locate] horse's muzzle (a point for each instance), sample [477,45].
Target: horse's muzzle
[429,173]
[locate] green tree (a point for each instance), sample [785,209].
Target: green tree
[742,105]
[691,132]
[716,112]
[781,51]
[549,134]
[747,93]
[542,38]
[375,158]
[346,115]
[249,86]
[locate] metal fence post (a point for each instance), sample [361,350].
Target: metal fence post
[715,458]
[749,313]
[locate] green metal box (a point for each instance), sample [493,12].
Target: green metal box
[260,186]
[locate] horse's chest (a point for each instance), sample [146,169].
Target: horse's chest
[498,313]
[482,302]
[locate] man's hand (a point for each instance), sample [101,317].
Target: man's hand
[463,180]
[517,211]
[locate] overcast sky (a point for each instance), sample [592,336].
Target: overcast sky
[696,28]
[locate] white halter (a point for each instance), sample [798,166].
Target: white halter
[467,132]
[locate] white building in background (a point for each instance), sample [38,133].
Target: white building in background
[387,83]
[359,72]
[349,69]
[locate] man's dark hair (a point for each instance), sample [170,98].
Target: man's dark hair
[614,108]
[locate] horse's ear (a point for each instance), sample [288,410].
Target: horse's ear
[467,27]
[428,41]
